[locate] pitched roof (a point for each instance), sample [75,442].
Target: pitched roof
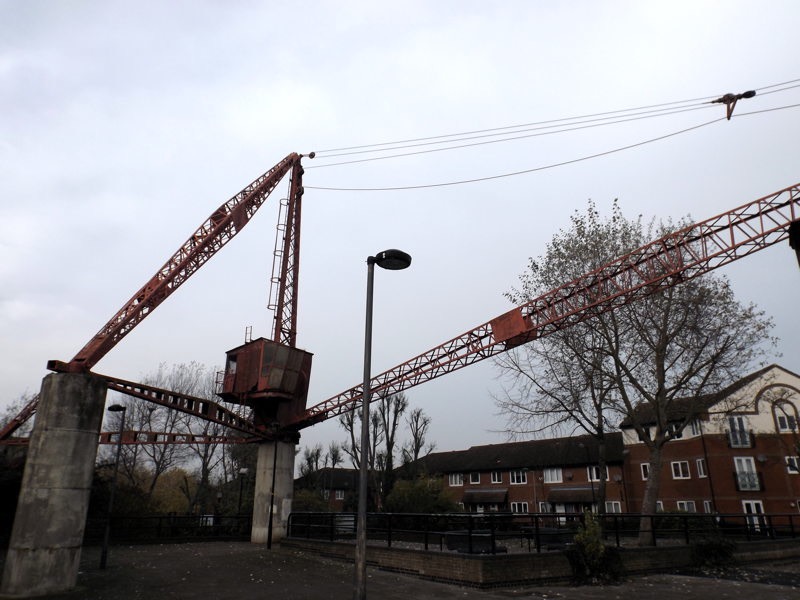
[534,454]
[678,408]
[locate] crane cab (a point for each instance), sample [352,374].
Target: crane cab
[270,377]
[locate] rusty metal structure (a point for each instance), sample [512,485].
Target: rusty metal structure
[271,376]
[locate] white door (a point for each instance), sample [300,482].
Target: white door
[754,509]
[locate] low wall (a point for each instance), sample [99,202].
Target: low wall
[513,569]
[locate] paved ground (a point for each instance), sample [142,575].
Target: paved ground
[240,571]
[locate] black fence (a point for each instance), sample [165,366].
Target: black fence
[493,533]
[169,528]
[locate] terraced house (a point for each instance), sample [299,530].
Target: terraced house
[738,455]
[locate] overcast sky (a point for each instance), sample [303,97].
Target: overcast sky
[123,125]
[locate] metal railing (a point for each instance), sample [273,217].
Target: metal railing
[493,533]
[165,528]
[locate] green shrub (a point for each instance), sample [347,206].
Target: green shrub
[591,560]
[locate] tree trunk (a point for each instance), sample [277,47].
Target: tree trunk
[651,490]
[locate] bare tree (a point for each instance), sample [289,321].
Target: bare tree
[644,359]
[418,424]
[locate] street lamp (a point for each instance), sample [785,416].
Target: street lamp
[107,533]
[393,260]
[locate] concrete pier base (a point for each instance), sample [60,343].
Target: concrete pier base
[284,491]
[45,547]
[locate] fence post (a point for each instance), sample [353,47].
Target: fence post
[686,528]
[492,526]
[616,529]
[469,532]
[389,530]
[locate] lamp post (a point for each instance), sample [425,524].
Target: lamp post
[107,532]
[393,260]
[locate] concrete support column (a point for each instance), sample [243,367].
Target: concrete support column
[284,490]
[45,548]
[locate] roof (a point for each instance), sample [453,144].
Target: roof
[679,408]
[331,479]
[563,452]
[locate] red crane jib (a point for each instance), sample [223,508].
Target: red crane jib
[223,224]
[665,262]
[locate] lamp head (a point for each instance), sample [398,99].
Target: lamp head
[116,408]
[393,260]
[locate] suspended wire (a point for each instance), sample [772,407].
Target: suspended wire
[514,173]
[658,107]
[507,127]
[550,166]
[563,129]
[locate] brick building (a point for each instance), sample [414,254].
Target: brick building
[738,454]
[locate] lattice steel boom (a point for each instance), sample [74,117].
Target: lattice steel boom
[670,260]
[223,224]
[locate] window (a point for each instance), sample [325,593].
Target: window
[340,494]
[675,430]
[659,506]
[519,507]
[456,479]
[613,506]
[793,465]
[474,477]
[544,507]
[593,473]
[680,469]
[738,435]
[553,475]
[497,477]
[687,506]
[696,427]
[787,423]
[707,508]
[701,467]
[645,471]
[519,477]
[746,476]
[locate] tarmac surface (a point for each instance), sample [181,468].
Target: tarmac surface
[240,571]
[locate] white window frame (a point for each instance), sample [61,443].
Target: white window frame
[645,468]
[339,494]
[707,507]
[746,475]
[788,421]
[738,433]
[613,506]
[688,506]
[593,473]
[681,473]
[659,506]
[518,477]
[474,478]
[455,479]
[519,507]
[553,475]
[544,507]
[497,477]
[702,470]
[792,465]
[696,427]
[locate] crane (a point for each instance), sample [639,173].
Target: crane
[670,260]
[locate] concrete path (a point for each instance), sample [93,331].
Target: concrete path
[239,571]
